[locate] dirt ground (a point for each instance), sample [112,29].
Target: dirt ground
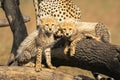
[106,11]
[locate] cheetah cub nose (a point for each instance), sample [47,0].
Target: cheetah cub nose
[67,34]
[50,29]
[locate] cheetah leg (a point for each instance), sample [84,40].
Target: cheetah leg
[66,48]
[74,42]
[72,48]
[38,66]
[30,64]
[36,4]
[94,37]
[48,58]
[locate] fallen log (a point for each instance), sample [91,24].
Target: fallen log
[27,73]
[98,57]
[94,56]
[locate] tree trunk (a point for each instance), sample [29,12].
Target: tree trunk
[16,22]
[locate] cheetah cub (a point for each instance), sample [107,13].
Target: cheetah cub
[73,33]
[45,41]
[37,44]
[97,30]
[70,34]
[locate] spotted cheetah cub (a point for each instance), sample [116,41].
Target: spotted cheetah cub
[70,34]
[37,44]
[73,33]
[97,30]
[45,41]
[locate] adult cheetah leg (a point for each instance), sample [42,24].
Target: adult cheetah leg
[36,6]
[66,48]
[72,48]
[98,38]
[48,58]
[77,38]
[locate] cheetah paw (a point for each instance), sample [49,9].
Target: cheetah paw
[65,50]
[38,68]
[52,67]
[72,52]
[30,64]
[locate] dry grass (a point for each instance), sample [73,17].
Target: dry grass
[106,11]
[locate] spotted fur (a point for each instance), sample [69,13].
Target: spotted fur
[74,31]
[36,4]
[37,43]
[60,9]
[98,30]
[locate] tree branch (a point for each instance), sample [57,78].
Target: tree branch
[4,22]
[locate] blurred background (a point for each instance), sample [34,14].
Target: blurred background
[105,11]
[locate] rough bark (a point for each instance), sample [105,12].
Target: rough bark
[16,22]
[94,56]
[4,22]
[98,57]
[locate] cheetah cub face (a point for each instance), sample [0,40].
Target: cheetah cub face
[68,28]
[49,24]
